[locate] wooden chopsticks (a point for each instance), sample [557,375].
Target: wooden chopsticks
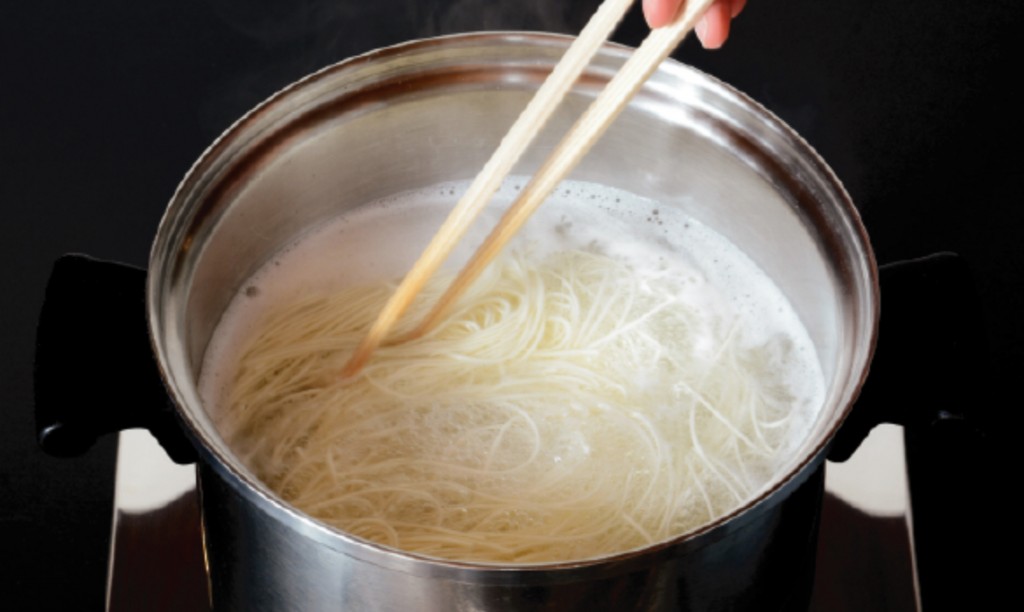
[588,128]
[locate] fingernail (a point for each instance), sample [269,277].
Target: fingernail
[701,29]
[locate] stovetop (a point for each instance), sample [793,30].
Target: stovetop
[865,556]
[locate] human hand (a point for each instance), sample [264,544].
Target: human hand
[712,29]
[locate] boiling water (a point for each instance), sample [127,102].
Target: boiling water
[607,447]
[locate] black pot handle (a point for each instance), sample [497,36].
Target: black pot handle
[95,372]
[92,344]
[930,352]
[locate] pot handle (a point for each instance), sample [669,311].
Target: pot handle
[931,351]
[95,372]
[92,345]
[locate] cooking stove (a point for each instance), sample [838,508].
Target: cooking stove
[865,554]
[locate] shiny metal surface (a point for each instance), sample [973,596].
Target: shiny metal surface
[156,554]
[866,552]
[758,561]
[864,561]
[430,111]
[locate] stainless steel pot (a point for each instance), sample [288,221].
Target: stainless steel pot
[430,111]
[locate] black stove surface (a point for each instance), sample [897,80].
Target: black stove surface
[106,104]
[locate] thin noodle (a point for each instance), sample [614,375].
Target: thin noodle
[569,408]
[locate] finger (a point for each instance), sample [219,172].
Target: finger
[713,27]
[660,12]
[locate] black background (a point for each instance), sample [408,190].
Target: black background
[105,104]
